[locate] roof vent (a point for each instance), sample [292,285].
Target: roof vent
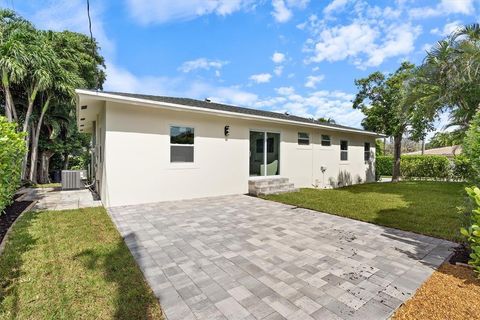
[208,100]
[286,113]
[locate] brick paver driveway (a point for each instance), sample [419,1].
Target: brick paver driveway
[239,257]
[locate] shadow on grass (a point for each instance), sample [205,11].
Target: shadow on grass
[19,242]
[133,298]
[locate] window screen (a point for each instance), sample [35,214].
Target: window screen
[326,142]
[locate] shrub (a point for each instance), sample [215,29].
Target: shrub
[383,166]
[12,149]
[472,234]
[462,168]
[471,145]
[426,166]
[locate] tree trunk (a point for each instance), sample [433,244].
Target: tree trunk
[33,157]
[423,147]
[35,138]
[397,151]
[10,113]
[385,146]
[25,157]
[66,161]
[44,166]
[26,126]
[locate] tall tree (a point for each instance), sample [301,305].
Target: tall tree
[382,99]
[15,33]
[449,78]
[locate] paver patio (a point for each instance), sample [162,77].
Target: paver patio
[56,199]
[239,257]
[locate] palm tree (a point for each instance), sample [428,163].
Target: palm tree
[15,33]
[63,76]
[450,75]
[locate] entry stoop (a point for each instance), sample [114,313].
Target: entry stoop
[261,186]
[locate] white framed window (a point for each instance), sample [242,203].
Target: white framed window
[366,151]
[326,141]
[303,138]
[343,150]
[182,144]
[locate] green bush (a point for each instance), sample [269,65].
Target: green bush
[12,149]
[426,166]
[383,166]
[462,168]
[472,234]
[471,145]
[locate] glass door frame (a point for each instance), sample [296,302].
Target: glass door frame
[265,150]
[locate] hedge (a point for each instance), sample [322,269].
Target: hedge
[12,149]
[472,233]
[383,165]
[426,166]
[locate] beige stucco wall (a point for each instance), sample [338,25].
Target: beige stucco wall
[137,156]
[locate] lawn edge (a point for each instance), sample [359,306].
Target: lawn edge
[375,224]
[5,238]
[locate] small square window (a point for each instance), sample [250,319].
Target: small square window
[326,142]
[303,138]
[366,153]
[343,150]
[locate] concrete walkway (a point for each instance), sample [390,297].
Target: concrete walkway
[56,199]
[239,257]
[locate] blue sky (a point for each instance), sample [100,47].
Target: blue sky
[300,56]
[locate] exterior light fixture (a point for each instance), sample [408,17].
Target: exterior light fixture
[226,131]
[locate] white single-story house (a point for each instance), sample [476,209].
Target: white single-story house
[153,148]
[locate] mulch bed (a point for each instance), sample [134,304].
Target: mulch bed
[460,254]
[11,214]
[452,292]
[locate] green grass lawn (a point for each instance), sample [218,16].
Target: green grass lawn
[71,264]
[425,207]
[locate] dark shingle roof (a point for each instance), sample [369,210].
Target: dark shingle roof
[224,107]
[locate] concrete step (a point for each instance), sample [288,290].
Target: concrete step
[267,182]
[274,185]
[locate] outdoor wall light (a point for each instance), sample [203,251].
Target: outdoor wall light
[226,131]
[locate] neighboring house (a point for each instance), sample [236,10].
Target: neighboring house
[151,148]
[450,151]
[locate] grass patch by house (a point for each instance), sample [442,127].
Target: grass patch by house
[48,185]
[426,207]
[71,264]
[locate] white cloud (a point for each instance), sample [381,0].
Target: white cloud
[363,42]
[280,11]
[278,71]
[330,104]
[162,11]
[445,7]
[261,77]
[278,57]
[313,80]
[202,63]
[285,90]
[447,29]
[335,5]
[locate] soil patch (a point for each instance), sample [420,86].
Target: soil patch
[460,254]
[11,213]
[452,292]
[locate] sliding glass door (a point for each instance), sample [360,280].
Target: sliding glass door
[264,153]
